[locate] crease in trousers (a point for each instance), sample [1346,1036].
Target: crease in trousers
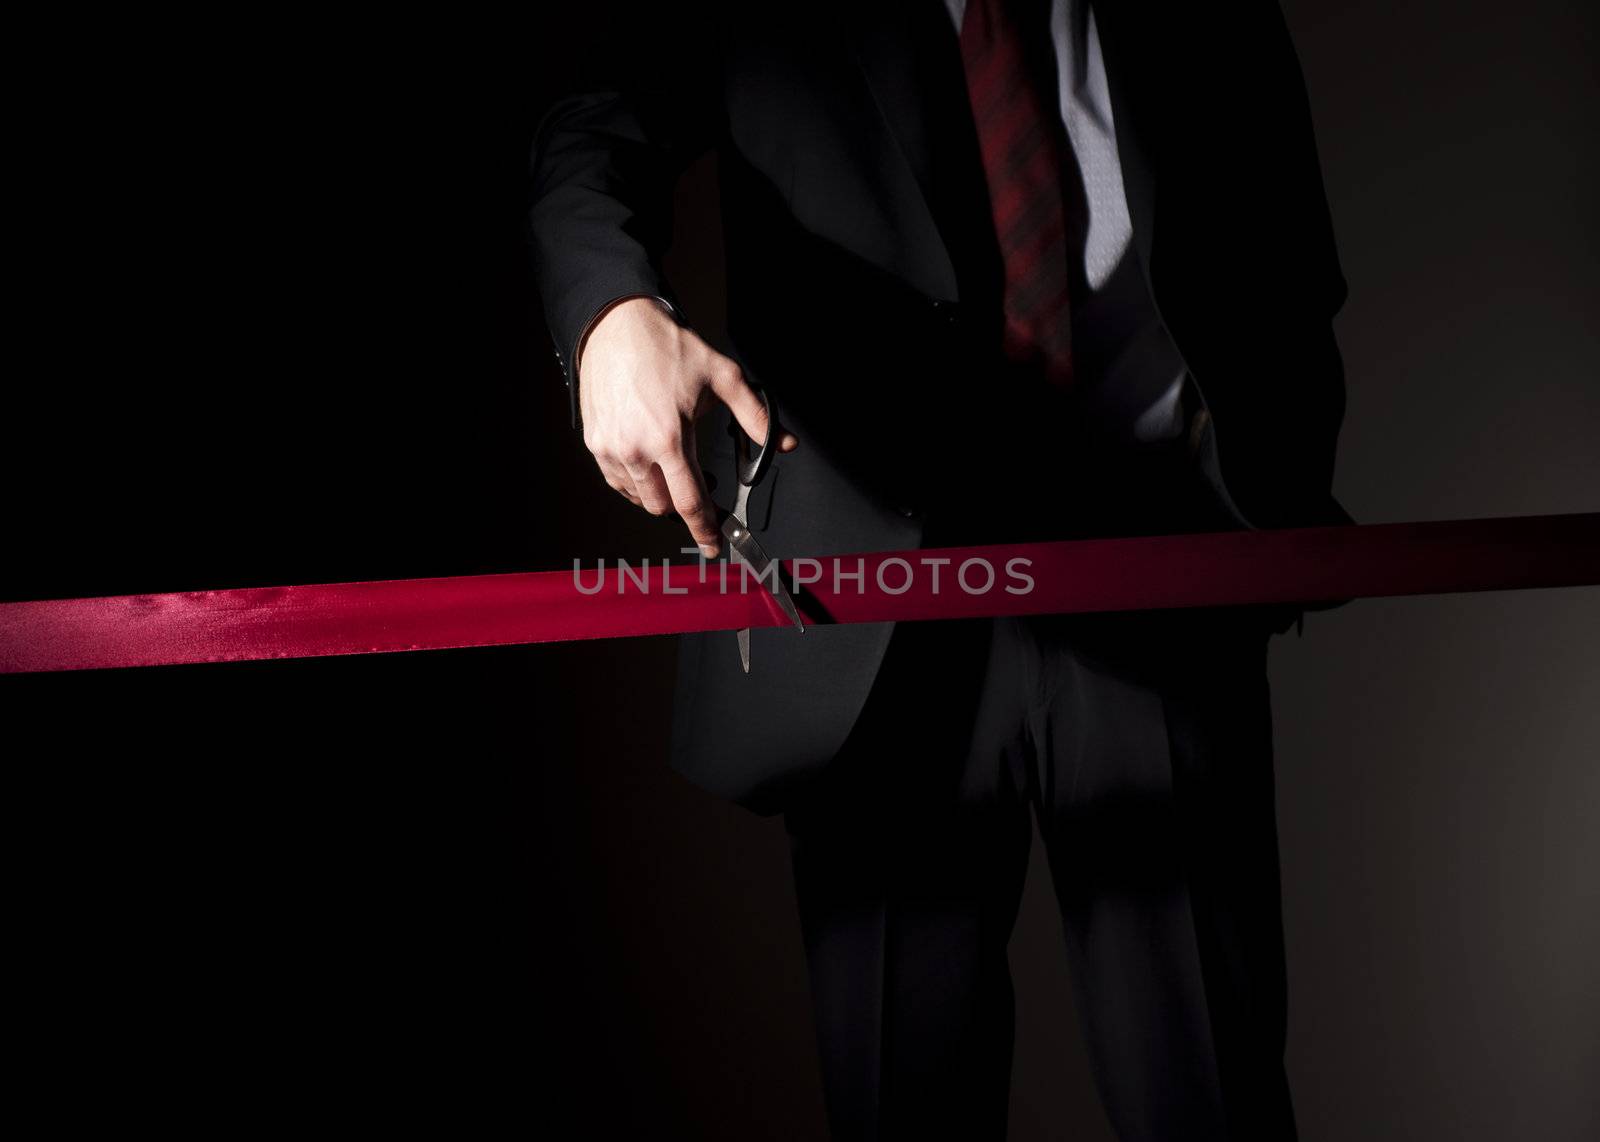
[1141,744]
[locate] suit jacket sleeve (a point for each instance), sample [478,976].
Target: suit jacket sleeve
[604,164]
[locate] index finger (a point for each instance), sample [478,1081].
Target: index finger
[687,487]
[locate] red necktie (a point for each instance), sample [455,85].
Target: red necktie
[1019,135]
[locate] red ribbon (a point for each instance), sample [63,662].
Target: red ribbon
[1302,565]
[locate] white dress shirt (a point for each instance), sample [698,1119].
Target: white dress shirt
[1130,373]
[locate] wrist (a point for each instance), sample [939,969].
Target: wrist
[604,311]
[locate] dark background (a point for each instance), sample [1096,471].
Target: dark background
[271,322]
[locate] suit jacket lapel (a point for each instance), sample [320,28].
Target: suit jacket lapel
[911,60]
[887,39]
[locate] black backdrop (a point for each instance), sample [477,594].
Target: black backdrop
[271,322]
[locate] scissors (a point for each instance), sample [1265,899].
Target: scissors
[742,546]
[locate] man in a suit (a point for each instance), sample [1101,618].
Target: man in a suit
[1011,269]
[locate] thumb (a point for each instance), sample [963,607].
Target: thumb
[732,389]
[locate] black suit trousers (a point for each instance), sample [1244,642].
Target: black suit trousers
[1142,745]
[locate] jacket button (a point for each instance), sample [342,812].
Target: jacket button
[946,311]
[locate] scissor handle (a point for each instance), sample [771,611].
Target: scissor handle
[751,471]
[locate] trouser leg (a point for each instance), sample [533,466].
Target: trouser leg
[1156,805]
[908,875]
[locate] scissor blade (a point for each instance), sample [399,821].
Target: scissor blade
[733,532]
[744,547]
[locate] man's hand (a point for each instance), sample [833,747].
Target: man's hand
[644,381]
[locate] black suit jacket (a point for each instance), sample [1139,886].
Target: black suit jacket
[864,279]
